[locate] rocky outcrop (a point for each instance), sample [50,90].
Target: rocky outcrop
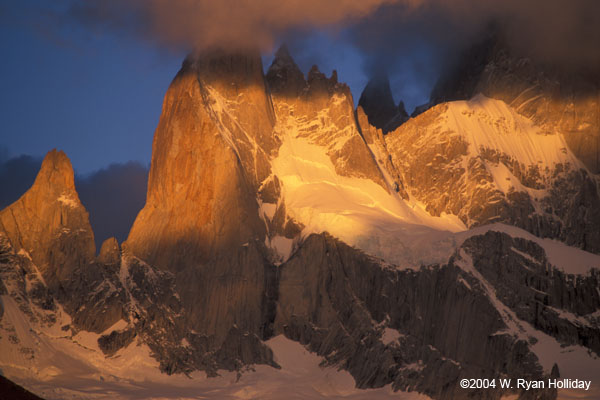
[49,223]
[110,253]
[378,104]
[426,329]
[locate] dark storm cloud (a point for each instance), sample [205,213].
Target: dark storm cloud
[551,29]
[113,196]
[415,43]
[561,32]
[17,174]
[412,40]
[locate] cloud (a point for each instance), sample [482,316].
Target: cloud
[565,33]
[223,23]
[413,40]
[556,30]
[113,196]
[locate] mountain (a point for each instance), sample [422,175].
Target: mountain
[378,104]
[282,230]
[484,162]
[49,223]
[557,98]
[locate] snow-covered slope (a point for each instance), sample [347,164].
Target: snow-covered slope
[55,365]
[488,124]
[356,210]
[483,162]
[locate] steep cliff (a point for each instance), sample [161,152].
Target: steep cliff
[201,219]
[425,329]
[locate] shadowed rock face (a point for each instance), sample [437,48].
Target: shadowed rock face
[378,104]
[448,318]
[110,252]
[50,224]
[558,100]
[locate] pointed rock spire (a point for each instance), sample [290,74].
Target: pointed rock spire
[378,103]
[284,76]
[50,223]
[56,171]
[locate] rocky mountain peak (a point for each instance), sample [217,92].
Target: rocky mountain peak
[50,223]
[284,76]
[319,83]
[378,104]
[283,59]
[56,172]
[554,97]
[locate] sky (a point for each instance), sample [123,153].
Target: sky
[97,93]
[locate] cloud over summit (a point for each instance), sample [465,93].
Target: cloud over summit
[224,23]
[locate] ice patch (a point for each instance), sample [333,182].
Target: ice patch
[68,201]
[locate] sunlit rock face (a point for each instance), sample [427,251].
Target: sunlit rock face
[561,100]
[201,219]
[484,162]
[209,154]
[50,224]
[53,245]
[321,111]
